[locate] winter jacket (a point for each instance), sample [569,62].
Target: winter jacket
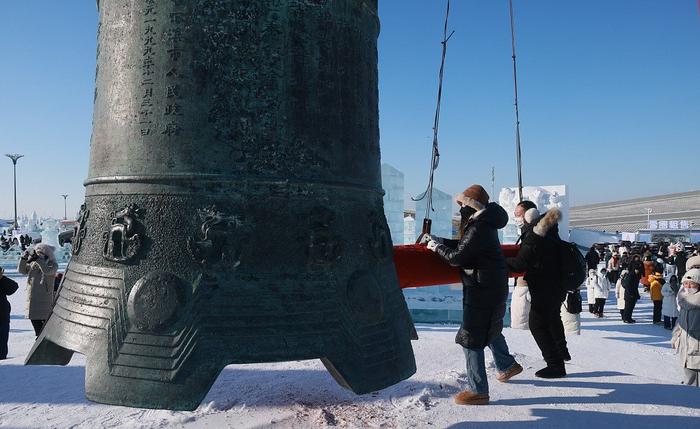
[620,294]
[614,263]
[592,259]
[602,287]
[538,258]
[520,306]
[669,308]
[655,284]
[679,260]
[591,283]
[572,322]
[39,286]
[686,335]
[7,287]
[648,271]
[631,285]
[484,276]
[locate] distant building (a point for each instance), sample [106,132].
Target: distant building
[670,217]
[632,215]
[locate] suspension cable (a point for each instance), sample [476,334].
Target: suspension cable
[435,156]
[518,154]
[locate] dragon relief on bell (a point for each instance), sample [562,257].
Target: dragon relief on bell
[122,242]
[217,242]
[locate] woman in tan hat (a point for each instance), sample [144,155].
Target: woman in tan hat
[485,288]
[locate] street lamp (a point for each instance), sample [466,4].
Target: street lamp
[65,207]
[649,211]
[14,157]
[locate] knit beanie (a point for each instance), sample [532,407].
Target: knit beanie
[693,262]
[692,276]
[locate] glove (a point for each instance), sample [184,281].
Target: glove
[424,239]
[432,245]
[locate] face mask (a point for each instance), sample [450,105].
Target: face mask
[520,221]
[466,212]
[691,290]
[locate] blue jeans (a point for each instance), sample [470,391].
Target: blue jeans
[476,366]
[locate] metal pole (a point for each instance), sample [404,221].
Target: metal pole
[518,153]
[65,206]
[14,157]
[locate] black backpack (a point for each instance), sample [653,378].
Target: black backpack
[572,266]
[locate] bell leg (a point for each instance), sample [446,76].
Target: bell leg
[46,352]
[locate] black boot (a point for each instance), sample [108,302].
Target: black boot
[552,371]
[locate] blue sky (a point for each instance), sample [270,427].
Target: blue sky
[610,97]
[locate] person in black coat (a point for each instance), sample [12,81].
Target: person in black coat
[485,290]
[539,258]
[631,285]
[7,287]
[592,259]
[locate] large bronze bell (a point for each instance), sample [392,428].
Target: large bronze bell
[233,209]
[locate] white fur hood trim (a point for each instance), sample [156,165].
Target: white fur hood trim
[551,218]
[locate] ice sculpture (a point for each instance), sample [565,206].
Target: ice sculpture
[392,183]
[546,197]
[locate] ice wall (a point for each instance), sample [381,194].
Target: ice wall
[409,230]
[545,197]
[392,183]
[444,208]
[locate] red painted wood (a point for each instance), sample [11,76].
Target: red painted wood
[417,266]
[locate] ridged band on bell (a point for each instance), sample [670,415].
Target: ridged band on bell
[233,209]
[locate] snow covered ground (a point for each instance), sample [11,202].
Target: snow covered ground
[621,376]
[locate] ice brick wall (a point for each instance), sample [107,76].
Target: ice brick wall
[392,183]
[444,207]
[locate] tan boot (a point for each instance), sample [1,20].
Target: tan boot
[509,373]
[470,398]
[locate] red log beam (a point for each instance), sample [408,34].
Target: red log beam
[417,266]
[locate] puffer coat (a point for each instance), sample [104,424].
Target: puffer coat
[686,334]
[41,272]
[539,258]
[520,306]
[572,322]
[484,276]
[669,307]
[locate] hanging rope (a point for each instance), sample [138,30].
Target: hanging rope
[435,157]
[518,155]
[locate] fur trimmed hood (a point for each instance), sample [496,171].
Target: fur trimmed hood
[550,219]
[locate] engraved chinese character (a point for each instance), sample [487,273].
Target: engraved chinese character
[147,81]
[173,91]
[173,73]
[174,36]
[177,18]
[150,30]
[173,109]
[148,93]
[175,53]
[172,129]
[150,10]
[149,41]
[145,131]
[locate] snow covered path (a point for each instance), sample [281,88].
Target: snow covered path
[620,376]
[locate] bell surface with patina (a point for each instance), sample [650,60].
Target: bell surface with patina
[233,209]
